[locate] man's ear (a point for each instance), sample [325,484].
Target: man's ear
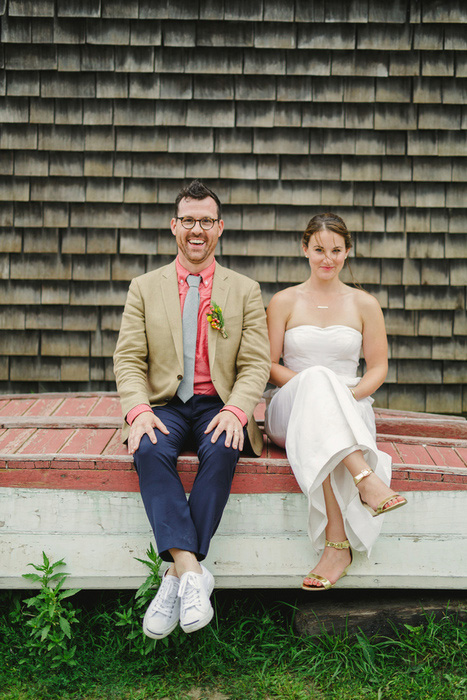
[173,224]
[220,224]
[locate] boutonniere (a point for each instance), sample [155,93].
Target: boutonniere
[216,319]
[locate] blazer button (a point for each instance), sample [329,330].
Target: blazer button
[179,377]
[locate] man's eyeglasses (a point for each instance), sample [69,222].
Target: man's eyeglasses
[189,222]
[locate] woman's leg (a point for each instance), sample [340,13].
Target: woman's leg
[372,489]
[333,561]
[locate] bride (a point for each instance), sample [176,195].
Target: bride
[321,411]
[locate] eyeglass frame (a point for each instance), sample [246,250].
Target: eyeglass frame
[196,221]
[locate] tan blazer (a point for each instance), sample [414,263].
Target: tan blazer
[148,360]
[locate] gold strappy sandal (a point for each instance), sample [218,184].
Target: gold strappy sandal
[325,581]
[380,509]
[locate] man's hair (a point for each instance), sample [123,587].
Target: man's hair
[197,190]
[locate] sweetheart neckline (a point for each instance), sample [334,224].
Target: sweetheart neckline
[323,328]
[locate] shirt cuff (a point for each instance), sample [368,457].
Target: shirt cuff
[241,415]
[140,408]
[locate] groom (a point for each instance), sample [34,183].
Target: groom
[184,370]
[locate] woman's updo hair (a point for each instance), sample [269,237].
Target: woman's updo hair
[328,222]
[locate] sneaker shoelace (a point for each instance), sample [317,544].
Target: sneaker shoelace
[189,591]
[166,601]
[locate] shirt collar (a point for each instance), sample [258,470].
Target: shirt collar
[206,275]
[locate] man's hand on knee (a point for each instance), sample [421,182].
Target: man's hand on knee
[143,424]
[227,422]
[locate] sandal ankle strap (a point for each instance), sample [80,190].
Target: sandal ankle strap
[337,545]
[365,472]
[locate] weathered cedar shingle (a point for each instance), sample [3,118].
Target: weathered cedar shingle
[284,109]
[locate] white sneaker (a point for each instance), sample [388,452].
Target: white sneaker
[196,609]
[163,613]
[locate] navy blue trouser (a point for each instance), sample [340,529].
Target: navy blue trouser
[178,522]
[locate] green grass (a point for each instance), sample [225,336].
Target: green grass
[248,652]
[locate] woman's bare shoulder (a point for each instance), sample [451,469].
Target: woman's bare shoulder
[285,296]
[368,307]
[365,300]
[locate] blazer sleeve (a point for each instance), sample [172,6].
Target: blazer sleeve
[253,360]
[131,352]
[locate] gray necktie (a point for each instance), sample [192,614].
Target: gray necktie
[190,330]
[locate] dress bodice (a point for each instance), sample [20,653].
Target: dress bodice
[335,347]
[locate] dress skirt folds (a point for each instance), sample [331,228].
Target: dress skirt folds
[318,421]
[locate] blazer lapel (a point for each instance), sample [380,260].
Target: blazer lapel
[219,294]
[171,300]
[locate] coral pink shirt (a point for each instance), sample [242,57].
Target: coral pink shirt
[202,380]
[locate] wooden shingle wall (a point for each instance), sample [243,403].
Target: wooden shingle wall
[286,109]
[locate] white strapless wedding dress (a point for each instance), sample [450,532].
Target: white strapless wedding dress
[315,417]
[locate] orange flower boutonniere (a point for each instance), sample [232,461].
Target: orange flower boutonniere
[216,319]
